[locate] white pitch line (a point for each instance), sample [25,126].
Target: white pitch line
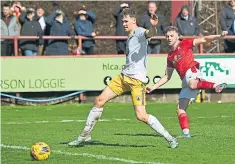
[63,121]
[223,116]
[103,120]
[102,157]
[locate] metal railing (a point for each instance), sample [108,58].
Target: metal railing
[80,38]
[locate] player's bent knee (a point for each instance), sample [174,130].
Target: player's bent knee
[193,84]
[99,101]
[142,117]
[179,111]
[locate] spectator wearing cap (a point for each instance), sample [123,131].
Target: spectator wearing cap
[227,17]
[30,27]
[154,45]
[118,13]
[58,26]
[187,24]
[84,27]
[9,27]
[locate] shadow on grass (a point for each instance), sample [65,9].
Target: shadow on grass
[98,143]
[141,134]
[138,134]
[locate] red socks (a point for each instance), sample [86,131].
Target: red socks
[205,85]
[184,121]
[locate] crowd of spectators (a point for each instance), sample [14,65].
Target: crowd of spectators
[18,20]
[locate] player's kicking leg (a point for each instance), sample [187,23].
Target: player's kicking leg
[210,85]
[93,117]
[195,81]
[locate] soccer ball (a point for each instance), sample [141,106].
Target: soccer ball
[40,151]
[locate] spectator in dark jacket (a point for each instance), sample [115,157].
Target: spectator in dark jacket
[84,27]
[59,26]
[30,27]
[154,44]
[187,24]
[231,31]
[9,27]
[118,13]
[227,16]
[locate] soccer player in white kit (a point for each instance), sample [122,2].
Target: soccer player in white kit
[132,78]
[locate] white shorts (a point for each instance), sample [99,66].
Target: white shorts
[186,91]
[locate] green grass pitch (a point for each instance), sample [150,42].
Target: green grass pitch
[119,137]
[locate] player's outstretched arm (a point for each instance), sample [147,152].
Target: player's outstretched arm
[209,38]
[162,81]
[152,31]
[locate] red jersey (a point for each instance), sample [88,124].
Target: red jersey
[182,57]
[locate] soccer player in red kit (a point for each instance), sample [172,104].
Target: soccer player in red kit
[181,58]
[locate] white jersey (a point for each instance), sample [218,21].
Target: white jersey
[136,56]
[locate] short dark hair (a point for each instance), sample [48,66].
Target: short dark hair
[152,2]
[6,5]
[129,11]
[172,28]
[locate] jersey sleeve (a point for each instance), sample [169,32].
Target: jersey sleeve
[188,43]
[169,64]
[140,33]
